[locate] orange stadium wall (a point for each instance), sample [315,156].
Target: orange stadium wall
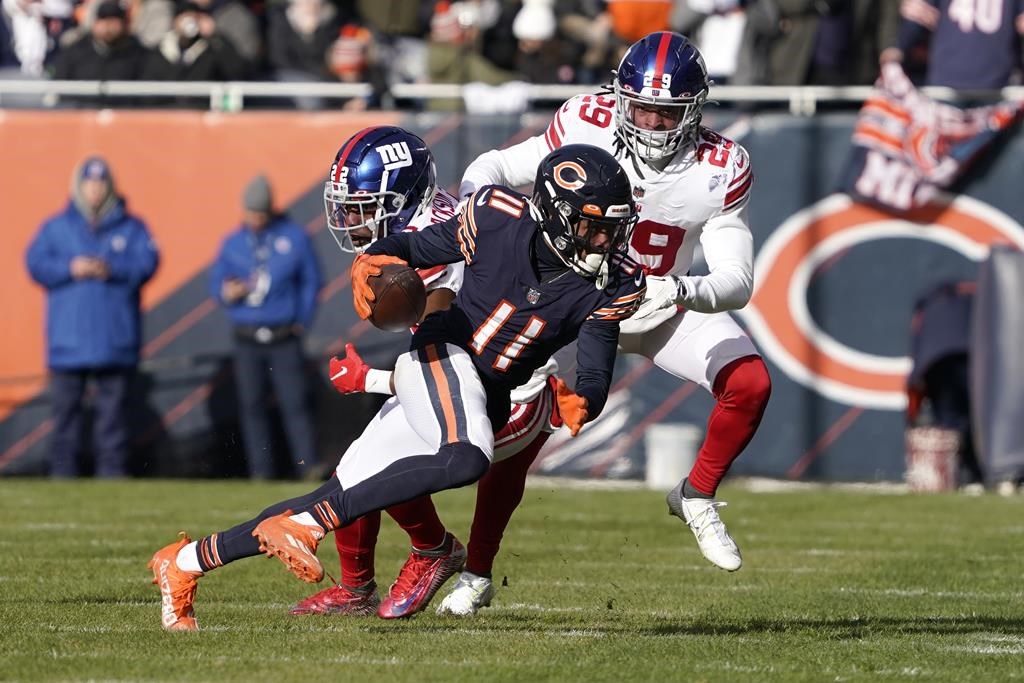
[182,172]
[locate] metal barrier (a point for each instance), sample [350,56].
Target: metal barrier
[231,96]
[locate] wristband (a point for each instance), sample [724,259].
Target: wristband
[379,382]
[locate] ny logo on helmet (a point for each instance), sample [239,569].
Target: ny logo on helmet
[395,155]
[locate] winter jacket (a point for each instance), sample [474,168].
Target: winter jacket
[281,269]
[92,323]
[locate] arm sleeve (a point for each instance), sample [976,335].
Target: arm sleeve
[432,246]
[311,282]
[729,252]
[138,262]
[511,167]
[45,265]
[595,357]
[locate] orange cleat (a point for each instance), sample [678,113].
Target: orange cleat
[293,543]
[177,587]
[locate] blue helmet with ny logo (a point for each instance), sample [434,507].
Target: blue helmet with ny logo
[381,178]
[661,72]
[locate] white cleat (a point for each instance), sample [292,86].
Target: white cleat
[701,515]
[471,592]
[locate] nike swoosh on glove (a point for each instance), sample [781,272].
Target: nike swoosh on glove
[363,268]
[571,406]
[348,374]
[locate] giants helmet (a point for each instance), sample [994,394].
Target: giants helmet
[380,179]
[586,207]
[663,71]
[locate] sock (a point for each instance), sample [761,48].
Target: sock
[418,517]
[304,518]
[742,389]
[497,496]
[356,545]
[237,542]
[690,492]
[188,558]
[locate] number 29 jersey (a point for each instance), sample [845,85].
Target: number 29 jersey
[677,205]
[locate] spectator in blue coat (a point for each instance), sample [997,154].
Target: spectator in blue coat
[267,279]
[93,259]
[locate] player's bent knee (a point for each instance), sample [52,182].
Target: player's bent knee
[465,464]
[746,383]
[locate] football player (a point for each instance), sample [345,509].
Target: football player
[383,181]
[540,273]
[691,185]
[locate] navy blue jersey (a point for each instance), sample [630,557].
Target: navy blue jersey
[975,44]
[509,320]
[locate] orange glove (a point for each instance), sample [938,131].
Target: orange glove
[572,407]
[365,267]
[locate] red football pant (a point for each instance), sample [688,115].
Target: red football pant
[742,389]
[357,542]
[498,494]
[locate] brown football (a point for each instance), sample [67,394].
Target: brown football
[400,298]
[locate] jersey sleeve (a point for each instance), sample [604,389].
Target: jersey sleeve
[619,308]
[434,245]
[741,180]
[444,277]
[577,120]
[628,293]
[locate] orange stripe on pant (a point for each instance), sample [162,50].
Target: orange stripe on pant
[444,393]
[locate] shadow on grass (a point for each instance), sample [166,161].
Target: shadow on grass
[824,628]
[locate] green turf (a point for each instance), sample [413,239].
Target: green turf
[602,586]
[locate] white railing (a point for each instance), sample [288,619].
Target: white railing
[232,95]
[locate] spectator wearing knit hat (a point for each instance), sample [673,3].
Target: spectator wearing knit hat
[93,259]
[542,56]
[266,278]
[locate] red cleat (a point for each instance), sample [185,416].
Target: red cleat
[359,602]
[421,577]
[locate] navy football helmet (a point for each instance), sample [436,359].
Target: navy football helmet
[380,179]
[663,72]
[586,207]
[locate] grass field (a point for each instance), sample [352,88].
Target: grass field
[602,586]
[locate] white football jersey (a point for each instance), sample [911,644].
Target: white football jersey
[701,195]
[441,209]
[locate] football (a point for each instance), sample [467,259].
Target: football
[400,298]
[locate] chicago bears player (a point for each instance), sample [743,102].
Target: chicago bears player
[383,181]
[691,185]
[540,273]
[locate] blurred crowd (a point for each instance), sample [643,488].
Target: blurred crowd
[754,42]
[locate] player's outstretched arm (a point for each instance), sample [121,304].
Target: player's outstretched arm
[511,167]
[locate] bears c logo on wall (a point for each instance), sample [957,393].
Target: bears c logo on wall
[782,324]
